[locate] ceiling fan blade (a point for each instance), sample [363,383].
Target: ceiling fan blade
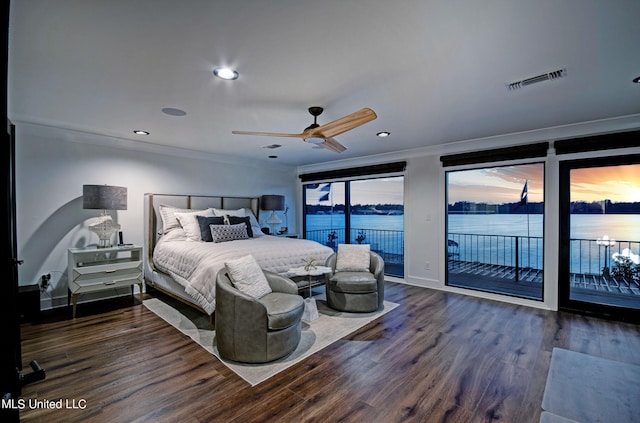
[344,124]
[267,134]
[333,145]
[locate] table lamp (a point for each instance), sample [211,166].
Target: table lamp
[273,203]
[104,197]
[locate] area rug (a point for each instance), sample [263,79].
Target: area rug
[330,326]
[584,388]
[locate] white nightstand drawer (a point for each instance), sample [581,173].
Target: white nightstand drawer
[100,285]
[92,274]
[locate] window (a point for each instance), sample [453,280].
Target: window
[363,211]
[494,229]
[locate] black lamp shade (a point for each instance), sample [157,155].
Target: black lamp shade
[272,202]
[104,197]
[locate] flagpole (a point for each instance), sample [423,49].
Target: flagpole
[526,183]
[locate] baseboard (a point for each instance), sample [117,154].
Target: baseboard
[62,301]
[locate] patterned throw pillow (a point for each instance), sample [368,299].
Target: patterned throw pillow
[224,233]
[248,277]
[353,258]
[234,220]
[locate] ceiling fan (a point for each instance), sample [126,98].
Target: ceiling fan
[322,135]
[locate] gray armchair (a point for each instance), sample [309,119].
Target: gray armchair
[254,330]
[356,291]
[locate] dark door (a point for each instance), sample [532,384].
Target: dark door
[10,355]
[10,340]
[600,236]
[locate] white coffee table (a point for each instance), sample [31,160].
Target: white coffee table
[310,308]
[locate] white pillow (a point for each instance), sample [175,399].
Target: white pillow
[189,222]
[248,277]
[224,233]
[255,226]
[353,258]
[169,220]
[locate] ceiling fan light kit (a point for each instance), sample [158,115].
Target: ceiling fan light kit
[322,135]
[314,140]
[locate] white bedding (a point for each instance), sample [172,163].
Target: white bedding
[195,264]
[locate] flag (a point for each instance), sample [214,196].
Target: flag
[524,200]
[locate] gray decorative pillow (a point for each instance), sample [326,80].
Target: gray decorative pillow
[224,233]
[204,222]
[248,277]
[234,220]
[353,258]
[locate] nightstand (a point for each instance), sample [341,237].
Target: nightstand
[288,235]
[99,269]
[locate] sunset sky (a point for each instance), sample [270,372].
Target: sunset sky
[504,184]
[615,183]
[498,185]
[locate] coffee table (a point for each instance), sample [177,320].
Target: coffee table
[310,308]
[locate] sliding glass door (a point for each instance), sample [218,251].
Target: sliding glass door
[324,216]
[363,211]
[376,217]
[494,233]
[600,236]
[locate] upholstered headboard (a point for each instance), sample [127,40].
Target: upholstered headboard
[153,222]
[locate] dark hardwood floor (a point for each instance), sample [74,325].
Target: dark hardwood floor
[438,357]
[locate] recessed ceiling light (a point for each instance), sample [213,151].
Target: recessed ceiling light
[636,79]
[273,157]
[383,134]
[173,112]
[141,132]
[226,73]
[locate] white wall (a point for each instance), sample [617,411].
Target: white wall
[52,165]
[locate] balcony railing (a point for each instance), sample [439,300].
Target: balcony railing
[588,256]
[494,262]
[388,243]
[517,252]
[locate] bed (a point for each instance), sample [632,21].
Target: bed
[178,263]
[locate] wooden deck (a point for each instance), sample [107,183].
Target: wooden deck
[502,280]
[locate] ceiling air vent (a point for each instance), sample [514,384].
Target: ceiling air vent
[540,78]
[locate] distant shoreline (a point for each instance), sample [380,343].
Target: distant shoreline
[577,207]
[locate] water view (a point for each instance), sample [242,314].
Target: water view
[386,234]
[495,226]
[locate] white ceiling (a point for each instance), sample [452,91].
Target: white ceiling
[433,70]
